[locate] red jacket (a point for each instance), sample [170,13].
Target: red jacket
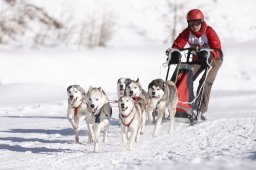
[213,39]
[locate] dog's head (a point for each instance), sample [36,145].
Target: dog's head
[96,98]
[121,84]
[156,89]
[125,105]
[133,88]
[75,94]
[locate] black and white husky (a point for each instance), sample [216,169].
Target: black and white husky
[121,84]
[163,95]
[76,112]
[98,115]
[135,90]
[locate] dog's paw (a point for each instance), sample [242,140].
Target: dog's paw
[77,139]
[154,134]
[105,141]
[95,151]
[129,148]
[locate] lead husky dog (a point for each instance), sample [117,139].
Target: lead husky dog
[99,114]
[163,95]
[121,84]
[76,107]
[132,118]
[134,90]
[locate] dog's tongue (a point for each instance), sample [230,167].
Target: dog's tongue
[94,110]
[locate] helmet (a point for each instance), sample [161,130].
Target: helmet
[195,14]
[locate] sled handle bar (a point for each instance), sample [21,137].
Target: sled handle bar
[190,50]
[195,49]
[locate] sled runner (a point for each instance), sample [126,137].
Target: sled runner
[189,105]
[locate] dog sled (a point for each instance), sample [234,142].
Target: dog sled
[190,97]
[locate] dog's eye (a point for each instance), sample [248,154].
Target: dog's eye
[75,91]
[97,99]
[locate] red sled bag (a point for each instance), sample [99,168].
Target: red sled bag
[184,83]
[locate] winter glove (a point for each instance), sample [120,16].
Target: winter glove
[205,58]
[174,57]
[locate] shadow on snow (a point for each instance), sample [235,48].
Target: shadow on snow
[18,148]
[63,132]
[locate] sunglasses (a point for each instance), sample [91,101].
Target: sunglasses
[194,22]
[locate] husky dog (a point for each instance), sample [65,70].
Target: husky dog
[76,107]
[163,94]
[134,90]
[121,84]
[99,114]
[132,118]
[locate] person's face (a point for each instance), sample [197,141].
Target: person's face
[195,25]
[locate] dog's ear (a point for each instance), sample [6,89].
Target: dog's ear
[90,88]
[79,87]
[137,80]
[127,81]
[69,87]
[100,89]
[82,91]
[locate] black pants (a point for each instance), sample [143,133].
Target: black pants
[208,83]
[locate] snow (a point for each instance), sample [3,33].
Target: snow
[35,133]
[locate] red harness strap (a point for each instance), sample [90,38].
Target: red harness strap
[123,116]
[136,99]
[128,124]
[77,108]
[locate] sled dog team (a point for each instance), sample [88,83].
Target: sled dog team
[136,106]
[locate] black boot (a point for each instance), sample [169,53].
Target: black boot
[203,118]
[193,119]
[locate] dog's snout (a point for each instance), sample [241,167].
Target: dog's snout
[153,93]
[121,86]
[131,92]
[92,105]
[122,105]
[71,96]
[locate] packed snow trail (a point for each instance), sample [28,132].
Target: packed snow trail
[39,137]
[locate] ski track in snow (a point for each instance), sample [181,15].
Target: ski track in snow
[40,137]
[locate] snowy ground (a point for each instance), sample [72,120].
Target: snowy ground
[38,136]
[35,133]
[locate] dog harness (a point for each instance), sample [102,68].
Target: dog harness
[123,116]
[97,116]
[76,109]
